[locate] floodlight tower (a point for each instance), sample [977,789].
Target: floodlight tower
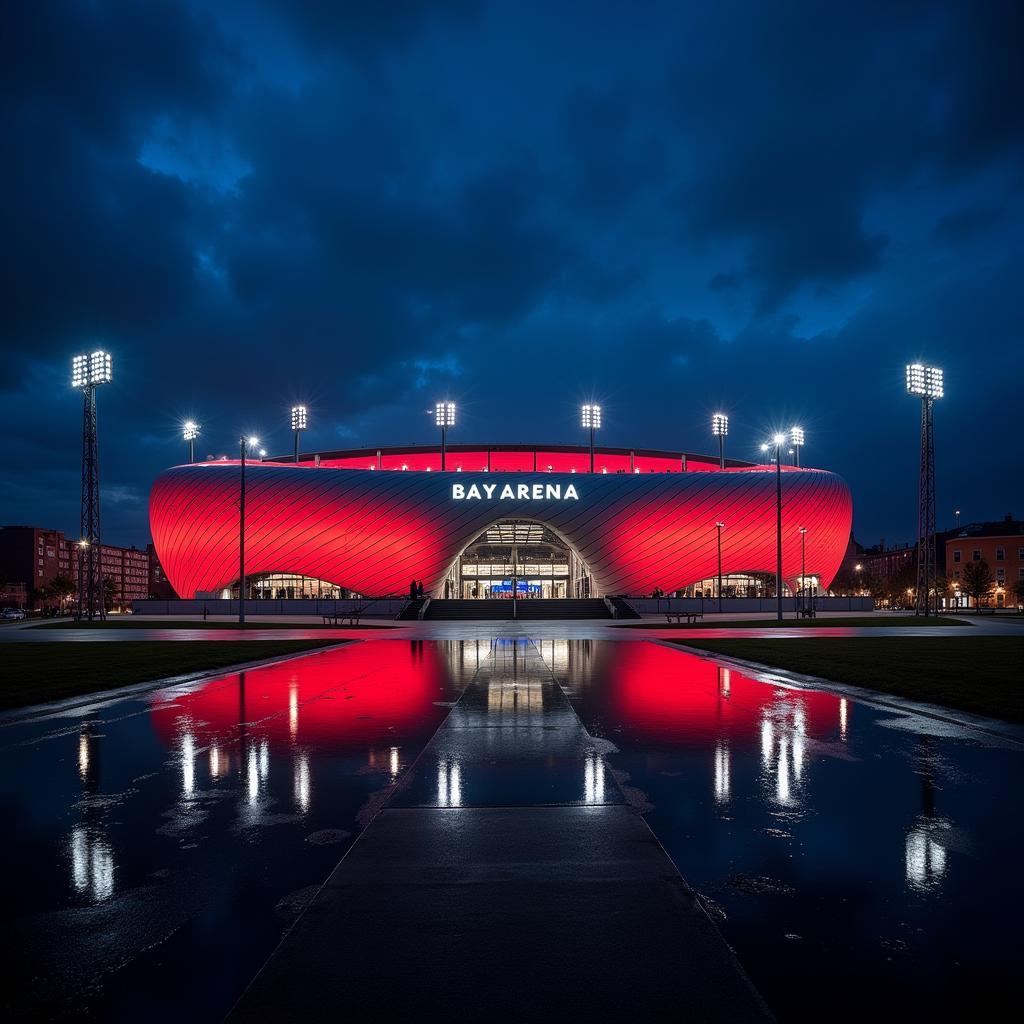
[719,526]
[591,422]
[720,429]
[926,382]
[444,417]
[776,443]
[244,443]
[796,439]
[189,432]
[87,374]
[298,425]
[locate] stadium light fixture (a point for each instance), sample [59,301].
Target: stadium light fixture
[591,418]
[444,417]
[925,381]
[720,429]
[796,439]
[189,432]
[298,424]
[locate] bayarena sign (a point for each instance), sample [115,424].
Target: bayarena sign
[514,492]
[371,520]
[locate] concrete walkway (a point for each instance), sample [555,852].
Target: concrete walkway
[506,879]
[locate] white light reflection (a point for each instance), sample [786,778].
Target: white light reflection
[214,761]
[842,718]
[254,777]
[83,754]
[92,864]
[188,763]
[782,775]
[925,858]
[395,763]
[449,784]
[593,779]
[722,781]
[767,737]
[302,782]
[264,760]
[293,710]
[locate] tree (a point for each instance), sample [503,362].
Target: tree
[1018,591]
[109,590]
[977,580]
[62,588]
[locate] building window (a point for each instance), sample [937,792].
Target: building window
[956,574]
[1020,554]
[1000,554]
[1000,573]
[976,555]
[956,555]
[1020,573]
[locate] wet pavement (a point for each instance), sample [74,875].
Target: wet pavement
[859,859]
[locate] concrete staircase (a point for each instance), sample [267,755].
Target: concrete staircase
[532,609]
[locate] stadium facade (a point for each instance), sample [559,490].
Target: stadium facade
[499,521]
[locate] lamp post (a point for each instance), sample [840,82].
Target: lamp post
[803,568]
[87,374]
[926,383]
[719,527]
[796,439]
[720,428]
[591,422]
[243,443]
[956,514]
[189,432]
[444,417]
[298,425]
[777,441]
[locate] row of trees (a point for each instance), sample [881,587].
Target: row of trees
[977,581]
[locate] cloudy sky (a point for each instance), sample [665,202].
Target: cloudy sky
[669,208]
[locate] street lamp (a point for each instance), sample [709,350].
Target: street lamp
[243,444]
[803,567]
[189,432]
[88,372]
[719,527]
[926,383]
[956,514]
[796,439]
[776,443]
[298,424]
[444,417]
[720,428]
[591,422]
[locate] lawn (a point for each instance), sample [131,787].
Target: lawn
[791,623]
[132,622]
[32,673]
[980,674]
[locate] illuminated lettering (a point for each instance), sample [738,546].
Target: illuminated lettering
[515,492]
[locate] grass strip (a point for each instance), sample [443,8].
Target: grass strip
[980,674]
[852,620]
[130,622]
[33,673]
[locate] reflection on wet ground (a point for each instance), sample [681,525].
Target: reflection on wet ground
[165,841]
[858,860]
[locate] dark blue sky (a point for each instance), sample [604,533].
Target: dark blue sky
[763,208]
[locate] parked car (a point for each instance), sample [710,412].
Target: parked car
[13,613]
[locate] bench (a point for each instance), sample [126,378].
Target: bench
[679,616]
[807,613]
[338,618]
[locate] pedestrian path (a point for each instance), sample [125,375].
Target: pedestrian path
[507,879]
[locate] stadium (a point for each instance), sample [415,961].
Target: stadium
[502,521]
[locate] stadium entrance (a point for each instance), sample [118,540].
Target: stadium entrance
[518,558]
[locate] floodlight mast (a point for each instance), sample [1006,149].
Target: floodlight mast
[719,526]
[928,384]
[720,429]
[189,432]
[776,443]
[88,372]
[243,443]
[591,421]
[298,425]
[444,417]
[796,439]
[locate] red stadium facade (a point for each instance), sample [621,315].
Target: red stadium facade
[370,521]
